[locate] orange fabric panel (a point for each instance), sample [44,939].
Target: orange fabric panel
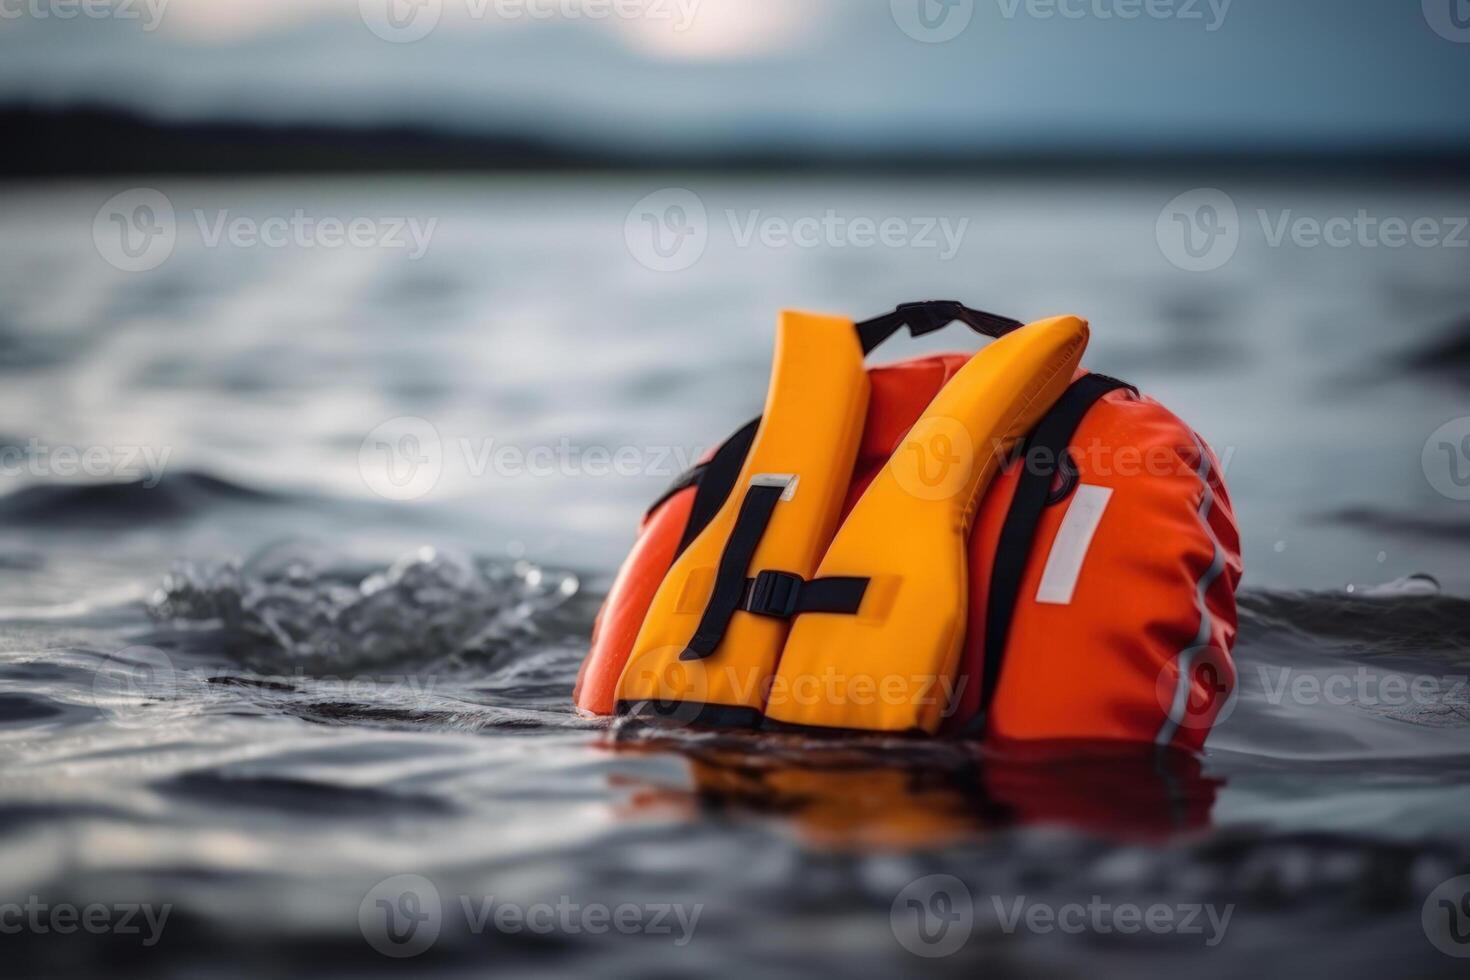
[900,393]
[809,433]
[628,601]
[1106,665]
[909,535]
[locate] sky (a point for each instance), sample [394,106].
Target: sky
[728,74]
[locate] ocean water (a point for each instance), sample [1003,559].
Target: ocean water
[300,546]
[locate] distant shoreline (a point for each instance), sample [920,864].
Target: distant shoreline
[95,141]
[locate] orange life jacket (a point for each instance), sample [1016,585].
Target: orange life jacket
[1103,560]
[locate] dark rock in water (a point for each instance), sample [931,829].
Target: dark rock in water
[174,497]
[1447,356]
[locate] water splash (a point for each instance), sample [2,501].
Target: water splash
[297,599]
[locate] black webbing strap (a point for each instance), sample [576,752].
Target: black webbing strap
[929,316]
[691,477]
[717,482]
[776,594]
[782,595]
[1042,455]
[729,591]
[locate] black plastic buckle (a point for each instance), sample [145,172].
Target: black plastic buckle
[774,594]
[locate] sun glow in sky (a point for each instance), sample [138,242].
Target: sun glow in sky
[676,29]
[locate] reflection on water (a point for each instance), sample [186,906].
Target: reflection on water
[902,794]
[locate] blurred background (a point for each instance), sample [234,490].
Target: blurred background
[344,343]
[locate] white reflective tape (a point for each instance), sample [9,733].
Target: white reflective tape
[1069,549]
[1179,709]
[786,480]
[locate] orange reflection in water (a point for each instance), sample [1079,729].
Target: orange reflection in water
[896,793]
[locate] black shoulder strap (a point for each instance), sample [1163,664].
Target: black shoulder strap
[716,481]
[729,588]
[1044,452]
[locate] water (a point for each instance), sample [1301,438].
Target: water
[245,685]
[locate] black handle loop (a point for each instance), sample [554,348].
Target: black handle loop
[929,316]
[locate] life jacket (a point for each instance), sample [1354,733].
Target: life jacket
[1000,546]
